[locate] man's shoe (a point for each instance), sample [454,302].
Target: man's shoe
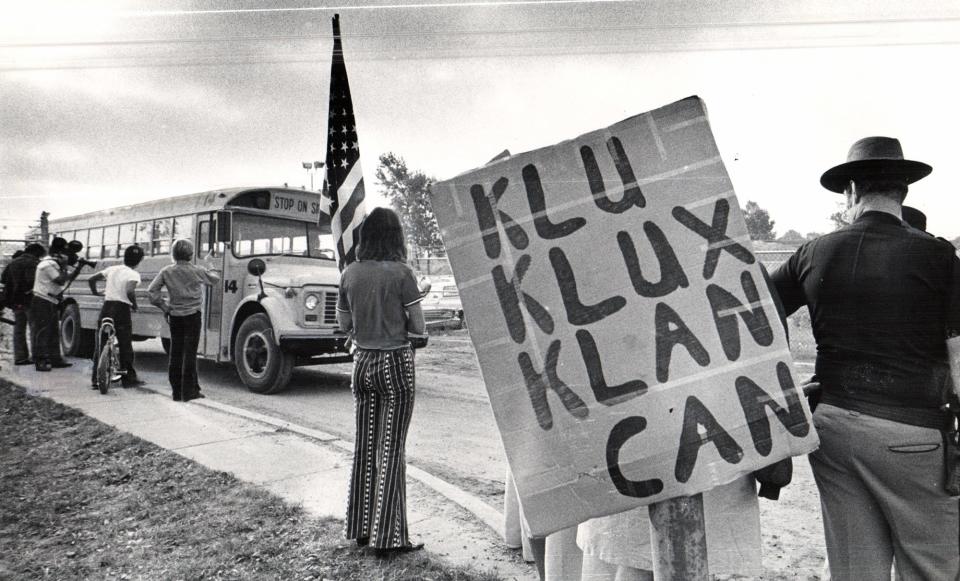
[43,366]
[134,383]
[60,364]
[194,396]
[23,362]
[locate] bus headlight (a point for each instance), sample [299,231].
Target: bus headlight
[311,302]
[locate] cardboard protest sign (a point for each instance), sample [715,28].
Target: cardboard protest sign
[628,342]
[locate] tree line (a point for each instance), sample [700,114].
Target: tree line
[408,192]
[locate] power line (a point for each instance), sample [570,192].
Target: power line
[374,7]
[455,53]
[491,32]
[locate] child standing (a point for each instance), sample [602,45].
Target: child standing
[184,283]
[120,298]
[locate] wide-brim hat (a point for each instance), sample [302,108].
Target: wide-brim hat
[914,217]
[874,157]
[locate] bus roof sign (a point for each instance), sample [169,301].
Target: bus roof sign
[287,203]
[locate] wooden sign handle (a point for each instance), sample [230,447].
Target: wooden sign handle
[679,539]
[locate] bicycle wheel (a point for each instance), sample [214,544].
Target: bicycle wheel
[104,373]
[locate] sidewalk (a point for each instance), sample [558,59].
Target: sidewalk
[302,466]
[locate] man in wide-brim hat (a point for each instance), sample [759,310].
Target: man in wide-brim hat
[879,294]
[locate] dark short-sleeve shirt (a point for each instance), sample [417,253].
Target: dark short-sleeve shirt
[376,294]
[883,298]
[18,279]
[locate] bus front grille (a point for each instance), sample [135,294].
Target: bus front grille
[330,308]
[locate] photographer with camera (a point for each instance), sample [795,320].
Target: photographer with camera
[52,278]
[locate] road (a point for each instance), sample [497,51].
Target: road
[452,434]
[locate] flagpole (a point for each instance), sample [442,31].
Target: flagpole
[344,202]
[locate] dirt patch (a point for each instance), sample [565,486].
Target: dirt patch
[791,528]
[82,500]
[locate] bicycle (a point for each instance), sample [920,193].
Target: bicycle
[108,358]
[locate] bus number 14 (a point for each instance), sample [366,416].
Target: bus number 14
[230,286]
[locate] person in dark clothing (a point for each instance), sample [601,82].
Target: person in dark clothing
[17,280]
[884,300]
[914,217]
[120,299]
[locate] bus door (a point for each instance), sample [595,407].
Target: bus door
[213,296]
[232,289]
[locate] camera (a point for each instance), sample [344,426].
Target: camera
[72,251]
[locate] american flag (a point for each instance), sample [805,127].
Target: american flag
[344,193]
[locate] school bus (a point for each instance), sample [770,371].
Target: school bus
[264,325]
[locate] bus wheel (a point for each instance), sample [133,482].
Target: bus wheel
[74,339]
[262,366]
[165,343]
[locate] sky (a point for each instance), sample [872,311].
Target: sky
[107,103]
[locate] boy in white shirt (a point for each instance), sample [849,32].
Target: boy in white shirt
[120,299]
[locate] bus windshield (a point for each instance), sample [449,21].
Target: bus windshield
[265,235]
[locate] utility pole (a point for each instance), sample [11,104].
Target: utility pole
[45,228]
[312,168]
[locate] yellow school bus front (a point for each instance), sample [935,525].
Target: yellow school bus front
[279,288]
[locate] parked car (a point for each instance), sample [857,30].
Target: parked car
[441,305]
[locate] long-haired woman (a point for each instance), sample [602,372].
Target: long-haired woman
[379,304]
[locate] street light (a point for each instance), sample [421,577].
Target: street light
[310,167]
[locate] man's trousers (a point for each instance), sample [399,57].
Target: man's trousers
[45,331]
[882,494]
[21,352]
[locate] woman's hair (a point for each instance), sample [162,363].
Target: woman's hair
[381,237]
[182,249]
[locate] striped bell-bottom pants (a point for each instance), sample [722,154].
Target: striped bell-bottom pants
[383,392]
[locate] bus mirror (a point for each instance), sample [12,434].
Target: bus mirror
[256,267]
[223,226]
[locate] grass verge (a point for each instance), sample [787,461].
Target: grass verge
[81,500]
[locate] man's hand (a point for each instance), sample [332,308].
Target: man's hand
[811,387]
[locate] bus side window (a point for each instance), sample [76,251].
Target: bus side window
[145,237]
[204,238]
[128,234]
[95,245]
[162,236]
[183,227]
[81,236]
[110,241]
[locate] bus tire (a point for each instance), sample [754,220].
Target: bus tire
[74,339]
[165,343]
[260,363]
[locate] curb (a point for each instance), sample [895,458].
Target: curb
[472,504]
